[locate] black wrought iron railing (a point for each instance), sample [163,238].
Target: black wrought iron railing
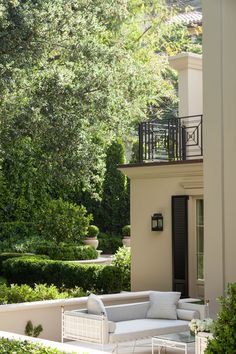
[172,139]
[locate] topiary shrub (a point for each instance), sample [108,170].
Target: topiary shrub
[65,252]
[8,346]
[62,221]
[24,293]
[224,329]
[109,244]
[99,278]
[126,230]
[122,261]
[93,231]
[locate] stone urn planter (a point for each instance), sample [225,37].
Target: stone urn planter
[126,235]
[91,238]
[201,341]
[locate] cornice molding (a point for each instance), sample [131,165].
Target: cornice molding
[164,171]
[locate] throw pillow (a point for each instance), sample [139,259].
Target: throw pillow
[163,305]
[95,305]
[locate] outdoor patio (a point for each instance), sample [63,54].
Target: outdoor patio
[142,347]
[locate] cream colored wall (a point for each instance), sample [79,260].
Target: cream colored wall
[220,146]
[151,191]
[189,68]
[13,318]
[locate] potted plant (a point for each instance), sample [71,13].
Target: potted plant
[202,330]
[91,237]
[126,235]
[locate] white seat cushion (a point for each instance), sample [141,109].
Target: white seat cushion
[142,328]
[163,305]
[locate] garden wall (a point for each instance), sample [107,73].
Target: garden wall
[13,317]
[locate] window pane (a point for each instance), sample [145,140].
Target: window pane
[200,238]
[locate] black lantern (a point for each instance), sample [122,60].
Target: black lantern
[157,222]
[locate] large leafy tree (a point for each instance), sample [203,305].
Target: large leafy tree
[74,74]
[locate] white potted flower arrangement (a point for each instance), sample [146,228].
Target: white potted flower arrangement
[202,330]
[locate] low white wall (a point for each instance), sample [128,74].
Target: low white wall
[13,317]
[66,348]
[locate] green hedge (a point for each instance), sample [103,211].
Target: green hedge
[109,244]
[65,252]
[99,278]
[7,255]
[24,293]
[8,346]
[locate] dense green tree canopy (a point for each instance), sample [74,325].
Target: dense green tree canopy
[74,74]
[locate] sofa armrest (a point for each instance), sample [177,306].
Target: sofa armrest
[201,308]
[85,327]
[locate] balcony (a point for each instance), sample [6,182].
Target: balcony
[172,139]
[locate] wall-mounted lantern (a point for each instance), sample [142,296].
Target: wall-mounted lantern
[157,222]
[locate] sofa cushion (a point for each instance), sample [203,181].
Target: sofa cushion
[163,305]
[142,328]
[187,315]
[126,312]
[95,305]
[111,326]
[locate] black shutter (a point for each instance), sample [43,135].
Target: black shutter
[180,244]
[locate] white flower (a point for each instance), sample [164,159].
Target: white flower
[197,325]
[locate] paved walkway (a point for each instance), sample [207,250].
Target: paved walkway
[105,259]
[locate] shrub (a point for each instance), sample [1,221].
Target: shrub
[102,279]
[18,347]
[122,261]
[65,252]
[109,244]
[126,230]
[115,200]
[7,255]
[63,221]
[24,293]
[93,231]
[224,329]
[14,236]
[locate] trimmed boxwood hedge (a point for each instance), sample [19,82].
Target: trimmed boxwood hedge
[99,278]
[7,255]
[65,252]
[8,346]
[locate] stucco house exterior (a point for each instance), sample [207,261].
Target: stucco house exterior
[194,192]
[171,184]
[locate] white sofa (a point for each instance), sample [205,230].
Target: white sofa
[127,322]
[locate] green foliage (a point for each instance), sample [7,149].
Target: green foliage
[224,341]
[176,38]
[18,347]
[14,236]
[33,331]
[115,202]
[6,255]
[109,244]
[102,279]
[65,252]
[62,221]
[94,56]
[93,231]
[24,293]
[126,230]
[122,261]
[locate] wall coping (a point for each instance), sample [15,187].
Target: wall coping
[184,61]
[120,297]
